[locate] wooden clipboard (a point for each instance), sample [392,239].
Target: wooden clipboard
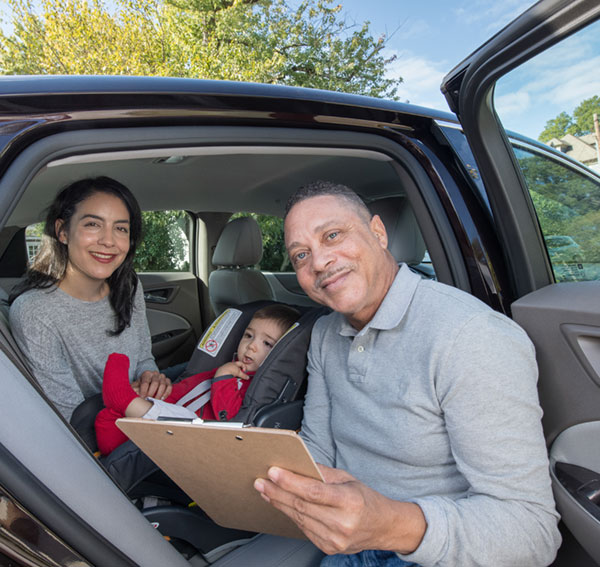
[216,466]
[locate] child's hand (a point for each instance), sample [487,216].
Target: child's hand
[236,369]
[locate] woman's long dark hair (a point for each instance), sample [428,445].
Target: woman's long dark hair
[49,266]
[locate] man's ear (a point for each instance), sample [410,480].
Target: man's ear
[59,231]
[378,229]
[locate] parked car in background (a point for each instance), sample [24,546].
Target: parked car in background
[481,209]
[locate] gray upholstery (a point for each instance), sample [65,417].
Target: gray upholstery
[404,236]
[273,551]
[236,281]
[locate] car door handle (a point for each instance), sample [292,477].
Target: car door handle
[163,295]
[583,484]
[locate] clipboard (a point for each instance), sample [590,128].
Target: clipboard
[216,465]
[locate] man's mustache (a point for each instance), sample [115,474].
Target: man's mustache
[324,277]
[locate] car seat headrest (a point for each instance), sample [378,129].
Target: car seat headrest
[240,244]
[404,236]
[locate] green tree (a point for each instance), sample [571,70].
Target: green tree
[583,116]
[582,121]
[566,202]
[266,41]
[164,246]
[556,127]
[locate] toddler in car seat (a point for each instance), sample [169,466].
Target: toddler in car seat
[213,395]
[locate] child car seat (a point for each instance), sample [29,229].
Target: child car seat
[274,399]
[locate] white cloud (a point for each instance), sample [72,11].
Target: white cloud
[513,103]
[422,78]
[492,14]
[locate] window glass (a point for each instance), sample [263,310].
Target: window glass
[567,203]
[275,257]
[165,245]
[554,98]
[33,239]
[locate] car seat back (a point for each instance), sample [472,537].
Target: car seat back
[237,281]
[405,241]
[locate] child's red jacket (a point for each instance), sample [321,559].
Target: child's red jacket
[226,397]
[226,394]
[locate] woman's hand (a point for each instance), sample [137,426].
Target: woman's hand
[152,384]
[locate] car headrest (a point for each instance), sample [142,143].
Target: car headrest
[404,236]
[240,244]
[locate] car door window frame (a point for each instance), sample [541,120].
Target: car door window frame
[469,89]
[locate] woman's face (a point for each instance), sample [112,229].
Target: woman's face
[97,239]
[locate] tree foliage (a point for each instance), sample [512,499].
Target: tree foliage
[164,246]
[556,127]
[566,202]
[268,41]
[582,121]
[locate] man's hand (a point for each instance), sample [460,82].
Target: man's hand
[343,515]
[236,369]
[152,384]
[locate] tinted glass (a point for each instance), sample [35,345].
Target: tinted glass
[554,98]
[567,203]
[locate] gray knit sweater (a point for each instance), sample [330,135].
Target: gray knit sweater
[435,402]
[65,341]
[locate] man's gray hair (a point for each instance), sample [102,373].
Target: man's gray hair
[328,189]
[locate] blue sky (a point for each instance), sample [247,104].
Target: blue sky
[429,37]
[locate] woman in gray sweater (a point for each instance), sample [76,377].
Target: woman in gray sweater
[81,299]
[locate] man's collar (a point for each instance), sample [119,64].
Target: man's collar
[394,304]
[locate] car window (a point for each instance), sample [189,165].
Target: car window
[165,245]
[553,99]
[567,203]
[33,239]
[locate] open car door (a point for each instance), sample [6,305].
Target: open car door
[547,212]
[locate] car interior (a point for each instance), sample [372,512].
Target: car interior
[212,174]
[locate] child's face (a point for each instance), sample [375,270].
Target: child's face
[259,338]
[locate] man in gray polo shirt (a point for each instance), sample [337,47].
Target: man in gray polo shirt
[422,409]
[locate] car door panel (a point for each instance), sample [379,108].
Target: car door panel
[575,462]
[173,312]
[563,321]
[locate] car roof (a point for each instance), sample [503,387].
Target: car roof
[22,86]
